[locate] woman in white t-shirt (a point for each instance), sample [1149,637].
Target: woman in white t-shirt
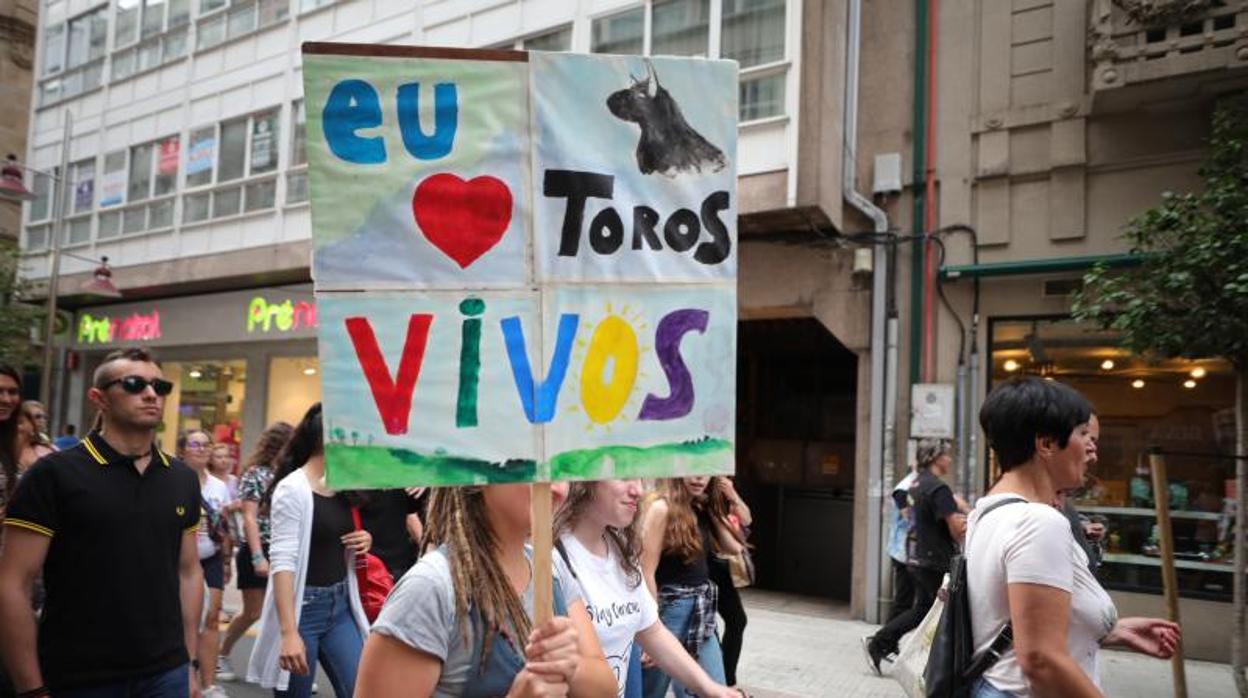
[600,552]
[195,449]
[1023,565]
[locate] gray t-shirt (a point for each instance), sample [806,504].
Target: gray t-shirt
[420,613]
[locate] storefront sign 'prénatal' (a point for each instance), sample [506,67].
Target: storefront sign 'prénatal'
[525,264]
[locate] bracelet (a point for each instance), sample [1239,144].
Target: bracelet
[257,558]
[40,692]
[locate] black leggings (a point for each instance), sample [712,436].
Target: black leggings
[926,584]
[733,613]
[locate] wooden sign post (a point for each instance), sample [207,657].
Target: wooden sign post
[543,540]
[1161,499]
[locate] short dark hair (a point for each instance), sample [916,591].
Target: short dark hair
[100,377]
[1022,409]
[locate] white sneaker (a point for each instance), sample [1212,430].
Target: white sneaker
[215,691]
[225,672]
[315,688]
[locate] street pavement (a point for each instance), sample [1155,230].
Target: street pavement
[798,647]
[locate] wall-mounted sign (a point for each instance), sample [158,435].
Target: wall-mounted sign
[265,315]
[136,327]
[254,315]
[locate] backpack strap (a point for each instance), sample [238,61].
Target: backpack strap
[1005,638]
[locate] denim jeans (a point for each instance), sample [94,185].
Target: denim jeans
[174,683]
[675,617]
[983,689]
[329,635]
[632,684]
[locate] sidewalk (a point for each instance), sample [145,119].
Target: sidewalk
[796,646]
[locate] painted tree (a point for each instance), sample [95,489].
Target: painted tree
[1188,297]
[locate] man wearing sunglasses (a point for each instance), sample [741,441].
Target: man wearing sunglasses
[111,524]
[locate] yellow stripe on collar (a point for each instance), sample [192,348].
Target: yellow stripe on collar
[29,526]
[86,442]
[164,460]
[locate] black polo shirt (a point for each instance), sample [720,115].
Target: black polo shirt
[112,609]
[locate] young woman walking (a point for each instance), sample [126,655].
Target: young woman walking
[32,445]
[213,541]
[599,548]
[312,607]
[458,623]
[679,535]
[253,550]
[728,506]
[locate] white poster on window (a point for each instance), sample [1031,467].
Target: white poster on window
[262,154]
[84,187]
[113,187]
[199,156]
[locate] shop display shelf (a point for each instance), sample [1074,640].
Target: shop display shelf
[1136,559]
[1141,511]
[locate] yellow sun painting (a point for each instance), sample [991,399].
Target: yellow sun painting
[609,354]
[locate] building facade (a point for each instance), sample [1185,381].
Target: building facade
[1002,118]
[17,38]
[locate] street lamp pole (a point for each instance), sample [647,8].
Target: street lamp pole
[60,201]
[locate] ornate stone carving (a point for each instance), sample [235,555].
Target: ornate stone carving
[20,39]
[1153,13]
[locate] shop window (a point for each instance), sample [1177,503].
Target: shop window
[1185,407]
[294,384]
[207,395]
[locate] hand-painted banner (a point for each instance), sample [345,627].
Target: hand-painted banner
[525,264]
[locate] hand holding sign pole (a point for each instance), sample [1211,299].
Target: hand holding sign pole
[532,280]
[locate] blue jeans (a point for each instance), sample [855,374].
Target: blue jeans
[632,685]
[174,683]
[329,635]
[983,689]
[675,617]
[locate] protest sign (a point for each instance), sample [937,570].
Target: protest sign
[525,264]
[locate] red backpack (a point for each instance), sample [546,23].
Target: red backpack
[374,579]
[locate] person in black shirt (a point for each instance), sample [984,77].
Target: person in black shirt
[111,524]
[392,517]
[939,525]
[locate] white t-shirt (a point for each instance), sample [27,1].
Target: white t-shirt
[619,611]
[1031,543]
[217,495]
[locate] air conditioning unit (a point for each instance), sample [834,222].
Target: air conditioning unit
[932,411]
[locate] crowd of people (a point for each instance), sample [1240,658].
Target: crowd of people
[116,557]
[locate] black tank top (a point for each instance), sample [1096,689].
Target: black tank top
[331,519]
[673,570]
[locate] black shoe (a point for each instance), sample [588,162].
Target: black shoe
[872,655]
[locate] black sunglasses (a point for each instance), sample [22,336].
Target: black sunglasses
[137,384]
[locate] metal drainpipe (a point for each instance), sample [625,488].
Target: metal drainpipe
[879,289]
[918,214]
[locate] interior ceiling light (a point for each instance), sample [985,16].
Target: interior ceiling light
[1189,384]
[1199,372]
[309,371]
[1137,383]
[1107,365]
[1010,365]
[195,373]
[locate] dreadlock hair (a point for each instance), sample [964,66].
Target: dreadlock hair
[682,538]
[626,540]
[458,519]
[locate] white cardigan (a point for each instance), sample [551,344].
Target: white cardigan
[290,522]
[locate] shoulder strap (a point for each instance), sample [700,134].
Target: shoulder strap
[563,553]
[355,518]
[996,505]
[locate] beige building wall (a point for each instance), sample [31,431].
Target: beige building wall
[17,53]
[1055,122]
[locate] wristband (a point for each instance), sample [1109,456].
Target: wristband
[40,692]
[257,558]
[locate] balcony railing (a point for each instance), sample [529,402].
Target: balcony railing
[1125,53]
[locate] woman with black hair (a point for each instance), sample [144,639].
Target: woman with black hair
[312,608]
[1024,568]
[10,412]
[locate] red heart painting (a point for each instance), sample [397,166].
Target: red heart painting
[462,219]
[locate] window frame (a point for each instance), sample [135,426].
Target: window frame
[224,15]
[53,86]
[249,181]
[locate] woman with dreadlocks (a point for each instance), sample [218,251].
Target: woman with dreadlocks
[599,547]
[681,531]
[458,623]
